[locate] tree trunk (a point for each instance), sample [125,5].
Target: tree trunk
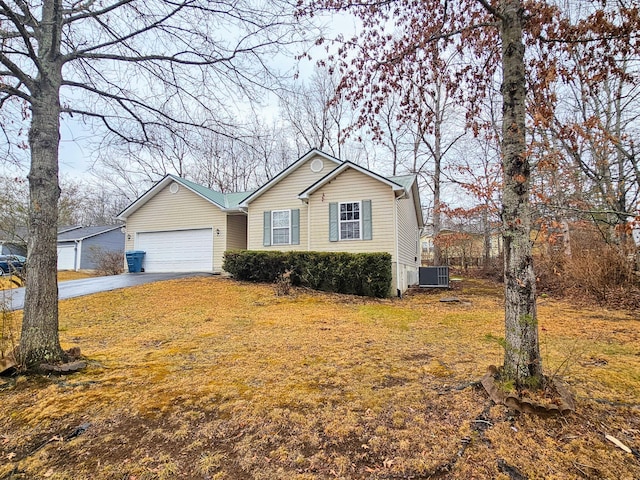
[39,340]
[522,362]
[486,237]
[437,174]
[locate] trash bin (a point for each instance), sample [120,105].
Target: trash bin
[134,260]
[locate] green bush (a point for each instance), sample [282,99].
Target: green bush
[367,274]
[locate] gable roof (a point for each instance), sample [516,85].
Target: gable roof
[224,201]
[81,233]
[345,165]
[286,172]
[401,184]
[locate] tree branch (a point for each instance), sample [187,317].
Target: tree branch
[16,71]
[487,6]
[95,14]
[26,37]
[14,92]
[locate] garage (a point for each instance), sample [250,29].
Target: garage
[67,256]
[177,250]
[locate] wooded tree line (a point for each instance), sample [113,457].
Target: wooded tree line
[505,100]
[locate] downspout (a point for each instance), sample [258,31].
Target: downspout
[397,235]
[307,202]
[75,255]
[245,209]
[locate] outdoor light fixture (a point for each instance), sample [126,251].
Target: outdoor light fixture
[217,231]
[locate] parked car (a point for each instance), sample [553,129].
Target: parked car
[11,263]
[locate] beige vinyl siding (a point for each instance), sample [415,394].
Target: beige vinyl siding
[236,232]
[408,245]
[284,196]
[183,210]
[407,231]
[353,186]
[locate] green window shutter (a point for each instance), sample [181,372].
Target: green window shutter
[333,222]
[266,237]
[367,226]
[295,226]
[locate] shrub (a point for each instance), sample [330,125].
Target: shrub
[107,262]
[367,274]
[595,271]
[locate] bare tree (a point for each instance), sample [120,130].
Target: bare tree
[134,67]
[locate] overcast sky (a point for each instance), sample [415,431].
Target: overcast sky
[77,141]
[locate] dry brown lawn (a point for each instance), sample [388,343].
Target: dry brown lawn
[207,378]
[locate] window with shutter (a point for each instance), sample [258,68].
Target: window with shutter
[281,227]
[350,221]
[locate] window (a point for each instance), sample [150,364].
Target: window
[280,227]
[350,221]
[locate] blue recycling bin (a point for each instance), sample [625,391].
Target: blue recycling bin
[134,260]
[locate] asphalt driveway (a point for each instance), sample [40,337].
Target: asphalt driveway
[77,288]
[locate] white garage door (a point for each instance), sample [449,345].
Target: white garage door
[66,257]
[177,250]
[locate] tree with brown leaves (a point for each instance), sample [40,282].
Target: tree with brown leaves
[495,38]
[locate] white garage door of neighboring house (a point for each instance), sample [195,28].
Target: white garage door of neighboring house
[177,250]
[66,257]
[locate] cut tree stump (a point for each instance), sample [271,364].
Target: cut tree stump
[562,404]
[70,367]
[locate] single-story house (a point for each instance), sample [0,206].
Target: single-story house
[318,203]
[13,241]
[79,247]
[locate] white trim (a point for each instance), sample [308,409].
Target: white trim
[153,191]
[347,164]
[281,228]
[340,221]
[397,245]
[316,165]
[84,237]
[286,172]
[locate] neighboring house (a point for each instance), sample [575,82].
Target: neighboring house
[460,247]
[79,247]
[13,241]
[318,203]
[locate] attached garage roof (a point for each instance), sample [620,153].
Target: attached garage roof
[224,201]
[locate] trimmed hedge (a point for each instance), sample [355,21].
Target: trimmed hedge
[367,274]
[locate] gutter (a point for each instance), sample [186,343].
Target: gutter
[397,235]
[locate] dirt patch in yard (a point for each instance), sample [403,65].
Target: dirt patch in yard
[213,379]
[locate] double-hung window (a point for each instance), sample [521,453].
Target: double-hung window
[280,227]
[350,221]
